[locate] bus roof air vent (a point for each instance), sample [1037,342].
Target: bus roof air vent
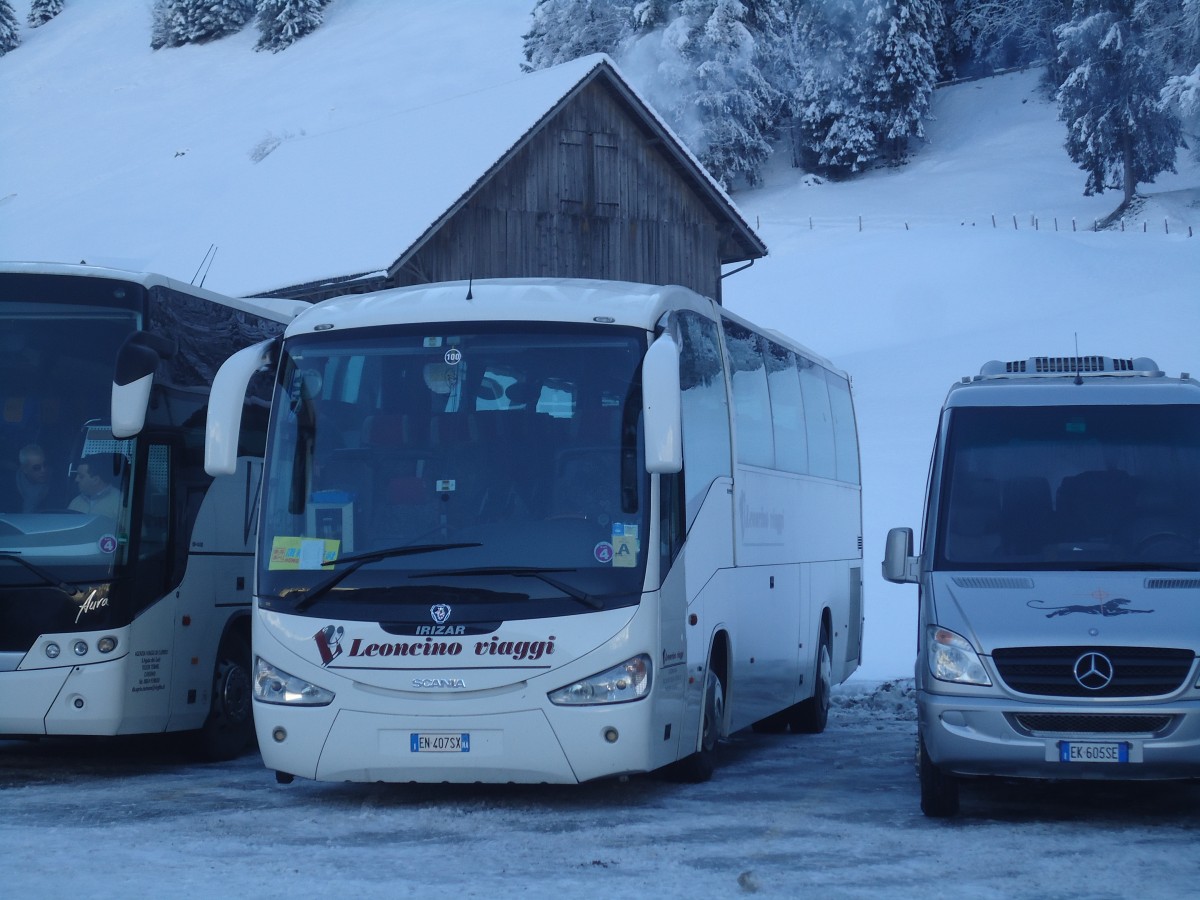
[1070,365]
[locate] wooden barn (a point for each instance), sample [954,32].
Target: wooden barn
[596,186]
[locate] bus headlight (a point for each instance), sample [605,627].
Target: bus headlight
[273,685]
[628,681]
[952,658]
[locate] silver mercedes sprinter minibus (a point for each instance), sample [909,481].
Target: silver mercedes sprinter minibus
[1059,577]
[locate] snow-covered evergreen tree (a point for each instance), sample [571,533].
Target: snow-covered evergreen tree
[1176,34]
[723,106]
[1120,130]
[649,15]
[834,127]
[562,30]
[1182,91]
[283,22]
[10,34]
[178,22]
[900,37]
[42,11]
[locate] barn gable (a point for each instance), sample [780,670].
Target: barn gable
[597,187]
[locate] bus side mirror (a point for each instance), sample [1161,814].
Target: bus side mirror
[661,408]
[899,564]
[134,377]
[225,402]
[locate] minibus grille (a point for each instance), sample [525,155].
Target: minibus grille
[1059,724]
[1132,671]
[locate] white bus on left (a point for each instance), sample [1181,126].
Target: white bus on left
[125,570]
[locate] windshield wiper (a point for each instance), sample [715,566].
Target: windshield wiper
[541,574]
[42,574]
[356,561]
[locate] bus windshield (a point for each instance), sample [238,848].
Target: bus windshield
[1071,487]
[495,468]
[63,478]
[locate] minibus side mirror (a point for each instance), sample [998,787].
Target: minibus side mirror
[899,564]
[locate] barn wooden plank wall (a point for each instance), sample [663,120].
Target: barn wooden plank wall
[592,195]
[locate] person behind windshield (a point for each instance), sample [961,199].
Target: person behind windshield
[33,481]
[98,476]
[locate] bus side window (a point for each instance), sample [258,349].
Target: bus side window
[156,516]
[818,419]
[154,537]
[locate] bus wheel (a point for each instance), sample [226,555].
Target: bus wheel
[700,765]
[812,715]
[229,729]
[939,789]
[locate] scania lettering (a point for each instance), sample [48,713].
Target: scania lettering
[124,599]
[1059,579]
[565,529]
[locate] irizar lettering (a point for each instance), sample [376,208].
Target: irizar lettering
[441,629]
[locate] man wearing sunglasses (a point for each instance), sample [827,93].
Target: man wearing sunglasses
[33,482]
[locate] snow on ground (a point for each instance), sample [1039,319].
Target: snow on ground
[826,816]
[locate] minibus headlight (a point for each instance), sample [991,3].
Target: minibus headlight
[620,684]
[952,658]
[273,685]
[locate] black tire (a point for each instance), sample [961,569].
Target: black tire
[229,730]
[812,715]
[939,789]
[699,766]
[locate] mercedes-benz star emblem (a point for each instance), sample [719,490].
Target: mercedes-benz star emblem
[1094,671]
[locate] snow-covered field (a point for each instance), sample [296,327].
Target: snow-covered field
[788,816]
[908,278]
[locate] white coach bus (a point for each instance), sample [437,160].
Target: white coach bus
[543,531]
[125,571]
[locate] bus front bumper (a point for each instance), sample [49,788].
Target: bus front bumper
[517,746]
